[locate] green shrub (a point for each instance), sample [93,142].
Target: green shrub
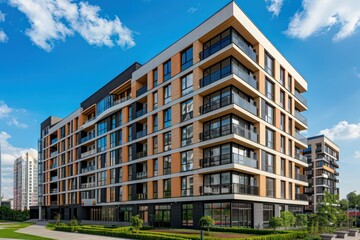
[302,220]
[276,222]
[288,219]
[206,222]
[136,222]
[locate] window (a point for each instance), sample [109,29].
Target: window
[112,139]
[101,144]
[155,98]
[268,162]
[282,99]
[290,170]
[155,145]
[282,167]
[130,114]
[187,84]
[101,127]
[156,122]
[289,83]
[162,214]
[187,110]
[187,186]
[290,151]
[289,105]
[282,122]
[290,191]
[155,167]
[167,118]
[167,164]
[155,77]
[269,87]
[282,192]
[268,213]
[270,136]
[270,187]
[167,188]
[167,141]
[282,144]
[269,64]
[155,189]
[282,76]
[167,70]
[187,159]
[187,214]
[130,133]
[167,94]
[186,58]
[268,113]
[289,128]
[186,135]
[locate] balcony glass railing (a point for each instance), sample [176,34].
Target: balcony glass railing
[54,178]
[141,91]
[88,169]
[228,158]
[226,71]
[229,129]
[88,153]
[88,185]
[300,117]
[141,112]
[225,101]
[87,138]
[229,189]
[301,98]
[141,133]
[141,196]
[301,197]
[141,175]
[53,141]
[301,138]
[301,177]
[53,154]
[301,157]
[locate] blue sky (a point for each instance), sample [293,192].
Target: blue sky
[48,54]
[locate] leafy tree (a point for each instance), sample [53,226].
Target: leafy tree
[329,212]
[136,222]
[276,222]
[302,220]
[344,204]
[206,221]
[288,218]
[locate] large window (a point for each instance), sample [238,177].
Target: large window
[282,144]
[104,104]
[101,144]
[187,186]
[186,135]
[282,76]
[268,213]
[282,122]
[291,191]
[219,212]
[270,138]
[167,94]
[282,167]
[187,84]
[270,187]
[155,77]
[167,188]
[162,215]
[125,213]
[268,162]
[269,64]
[269,87]
[167,141]
[187,110]
[156,123]
[167,70]
[282,192]
[186,58]
[156,167]
[187,214]
[155,145]
[268,112]
[102,127]
[282,99]
[167,165]
[167,118]
[156,100]
[155,189]
[187,159]
[289,83]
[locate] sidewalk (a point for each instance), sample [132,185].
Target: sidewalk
[40,230]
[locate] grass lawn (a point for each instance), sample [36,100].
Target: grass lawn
[196,233]
[8,230]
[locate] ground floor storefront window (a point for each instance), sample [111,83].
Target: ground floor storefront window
[187,215]
[162,215]
[103,214]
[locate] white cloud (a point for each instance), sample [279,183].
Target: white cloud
[192,10]
[55,20]
[319,16]
[5,110]
[274,6]
[16,123]
[343,131]
[357,154]
[3,36]
[8,154]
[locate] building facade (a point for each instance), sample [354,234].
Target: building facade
[210,126]
[25,181]
[323,156]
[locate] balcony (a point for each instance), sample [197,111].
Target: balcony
[141,196]
[54,190]
[140,154]
[227,130]
[301,118]
[141,133]
[87,138]
[301,157]
[187,192]
[124,99]
[54,178]
[229,189]
[141,175]
[53,141]
[336,173]
[301,177]
[225,101]
[301,197]
[88,185]
[53,154]
[301,98]
[141,112]
[226,71]
[88,169]
[88,153]
[90,119]
[232,38]
[228,158]
[53,202]
[141,91]
[54,165]
[301,138]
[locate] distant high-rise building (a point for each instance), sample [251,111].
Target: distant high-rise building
[322,155]
[25,181]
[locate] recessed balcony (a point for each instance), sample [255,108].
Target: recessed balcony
[229,189]
[227,159]
[227,130]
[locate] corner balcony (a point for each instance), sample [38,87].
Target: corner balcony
[301,177]
[141,112]
[301,197]
[301,138]
[228,158]
[301,118]
[227,130]
[141,91]
[301,157]
[234,188]
[301,98]
[225,101]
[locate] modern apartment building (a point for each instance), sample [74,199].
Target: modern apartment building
[322,155]
[209,126]
[25,181]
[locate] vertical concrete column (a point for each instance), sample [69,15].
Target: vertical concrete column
[258,215]
[277,210]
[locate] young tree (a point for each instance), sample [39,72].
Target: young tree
[302,220]
[207,222]
[288,218]
[136,222]
[276,222]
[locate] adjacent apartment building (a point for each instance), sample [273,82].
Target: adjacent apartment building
[25,181]
[209,126]
[322,155]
